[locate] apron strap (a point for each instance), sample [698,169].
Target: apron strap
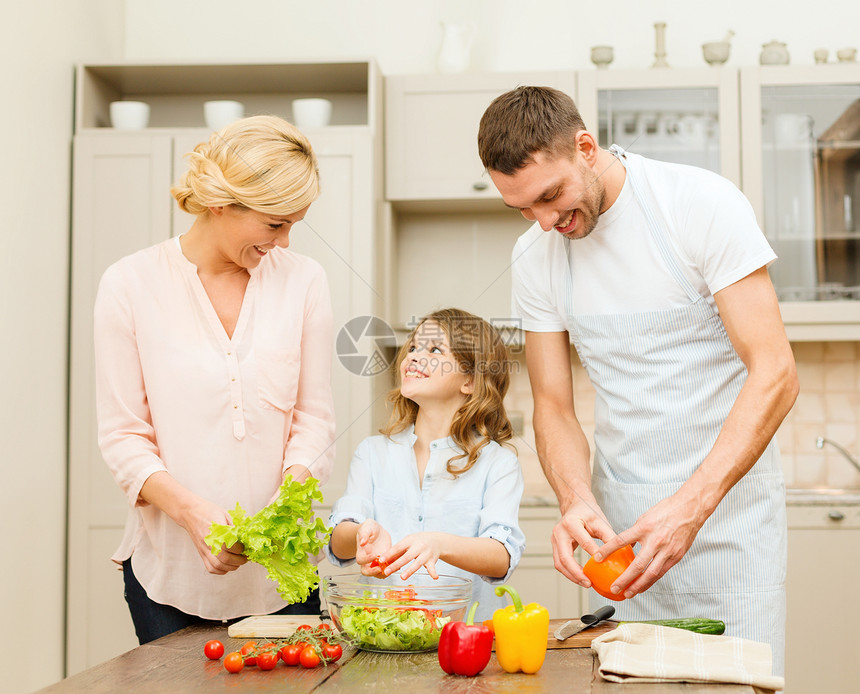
[658,231]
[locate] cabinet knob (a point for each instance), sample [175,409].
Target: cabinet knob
[480,185]
[836,515]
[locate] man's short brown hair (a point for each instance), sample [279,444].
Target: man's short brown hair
[524,121]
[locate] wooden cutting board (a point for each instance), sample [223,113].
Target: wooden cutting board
[273,626]
[581,640]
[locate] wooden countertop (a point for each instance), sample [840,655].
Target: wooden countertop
[176,663]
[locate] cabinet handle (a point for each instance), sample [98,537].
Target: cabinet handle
[836,515]
[480,185]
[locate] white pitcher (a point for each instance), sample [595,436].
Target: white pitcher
[454,53]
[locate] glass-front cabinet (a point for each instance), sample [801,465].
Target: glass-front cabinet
[686,116]
[801,171]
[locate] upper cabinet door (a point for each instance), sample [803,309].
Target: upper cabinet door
[432,131]
[801,172]
[685,116]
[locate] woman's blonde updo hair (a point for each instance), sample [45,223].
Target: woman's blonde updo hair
[263,163]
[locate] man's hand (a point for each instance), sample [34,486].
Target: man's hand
[664,532]
[577,528]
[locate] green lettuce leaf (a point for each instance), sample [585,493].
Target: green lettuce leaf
[281,537]
[392,628]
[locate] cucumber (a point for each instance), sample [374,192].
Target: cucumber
[697,624]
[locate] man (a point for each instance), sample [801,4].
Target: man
[658,274]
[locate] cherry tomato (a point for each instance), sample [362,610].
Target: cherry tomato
[290,654]
[246,650]
[325,626]
[234,662]
[309,657]
[332,652]
[305,627]
[213,650]
[603,574]
[377,563]
[405,595]
[267,660]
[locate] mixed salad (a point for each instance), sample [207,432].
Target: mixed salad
[396,628]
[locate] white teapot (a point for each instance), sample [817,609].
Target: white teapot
[774,53]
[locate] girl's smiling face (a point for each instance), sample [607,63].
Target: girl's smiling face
[430,372]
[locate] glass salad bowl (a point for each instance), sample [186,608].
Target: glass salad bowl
[390,615]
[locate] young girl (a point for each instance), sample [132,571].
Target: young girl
[441,489]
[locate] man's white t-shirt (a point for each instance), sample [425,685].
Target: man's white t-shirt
[618,268]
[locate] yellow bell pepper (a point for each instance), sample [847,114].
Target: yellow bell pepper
[521,634]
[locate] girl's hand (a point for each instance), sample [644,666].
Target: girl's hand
[371,541]
[422,549]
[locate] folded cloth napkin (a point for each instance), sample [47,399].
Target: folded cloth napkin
[650,653]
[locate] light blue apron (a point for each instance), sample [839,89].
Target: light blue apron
[665,382]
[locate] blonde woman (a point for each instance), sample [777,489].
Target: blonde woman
[213,353]
[442,487]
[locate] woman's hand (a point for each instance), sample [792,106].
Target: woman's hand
[371,541]
[421,549]
[195,515]
[197,519]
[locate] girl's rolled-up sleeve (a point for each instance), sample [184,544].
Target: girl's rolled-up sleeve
[501,508]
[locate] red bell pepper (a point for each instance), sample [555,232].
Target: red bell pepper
[465,647]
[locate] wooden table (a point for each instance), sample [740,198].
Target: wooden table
[176,664]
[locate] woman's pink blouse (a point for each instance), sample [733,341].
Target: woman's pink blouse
[224,416]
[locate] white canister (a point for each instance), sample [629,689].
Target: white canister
[311,112]
[792,128]
[222,112]
[456,47]
[129,115]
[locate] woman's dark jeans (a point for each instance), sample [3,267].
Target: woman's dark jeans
[153,620]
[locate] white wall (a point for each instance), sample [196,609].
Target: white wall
[39,43]
[511,34]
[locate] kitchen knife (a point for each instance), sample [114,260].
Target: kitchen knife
[574,626]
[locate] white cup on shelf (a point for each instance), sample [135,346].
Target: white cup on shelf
[311,112]
[129,115]
[222,112]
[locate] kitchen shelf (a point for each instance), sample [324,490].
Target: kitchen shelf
[818,321]
[176,93]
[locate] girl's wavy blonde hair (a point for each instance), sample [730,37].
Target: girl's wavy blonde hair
[481,353]
[262,163]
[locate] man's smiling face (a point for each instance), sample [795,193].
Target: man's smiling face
[559,192]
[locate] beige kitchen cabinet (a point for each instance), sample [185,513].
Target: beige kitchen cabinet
[121,203]
[432,130]
[451,236]
[686,116]
[823,609]
[800,130]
